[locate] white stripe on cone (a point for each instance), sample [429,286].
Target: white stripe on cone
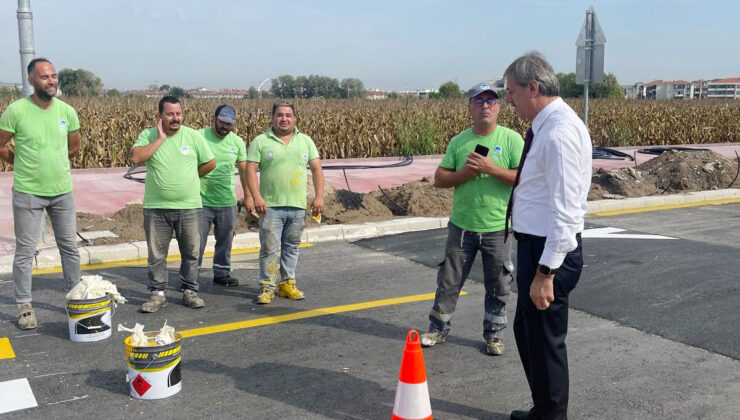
[412,401]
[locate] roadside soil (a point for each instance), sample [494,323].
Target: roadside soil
[670,173]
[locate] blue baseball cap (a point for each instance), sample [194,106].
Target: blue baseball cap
[479,88]
[226,113]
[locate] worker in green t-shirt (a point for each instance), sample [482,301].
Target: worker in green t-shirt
[217,191]
[47,134]
[480,163]
[176,158]
[279,195]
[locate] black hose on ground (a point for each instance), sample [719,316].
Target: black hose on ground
[611,154]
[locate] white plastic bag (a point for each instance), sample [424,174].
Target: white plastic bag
[92,287]
[166,335]
[138,338]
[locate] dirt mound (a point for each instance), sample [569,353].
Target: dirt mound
[670,172]
[677,171]
[419,198]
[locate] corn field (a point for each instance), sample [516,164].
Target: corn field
[371,128]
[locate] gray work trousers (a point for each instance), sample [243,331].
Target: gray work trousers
[158,227]
[27,213]
[460,252]
[223,220]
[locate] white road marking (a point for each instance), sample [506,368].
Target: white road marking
[613,233]
[69,400]
[50,374]
[16,395]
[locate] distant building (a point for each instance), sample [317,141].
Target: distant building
[724,88]
[377,94]
[681,89]
[423,93]
[195,93]
[219,94]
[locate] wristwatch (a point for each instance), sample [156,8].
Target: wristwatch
[545,270]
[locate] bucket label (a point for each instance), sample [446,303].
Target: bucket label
[140,385]
[92,325]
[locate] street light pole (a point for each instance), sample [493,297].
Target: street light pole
[25,40]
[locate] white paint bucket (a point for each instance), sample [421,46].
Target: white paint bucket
[154,372]
[89,319]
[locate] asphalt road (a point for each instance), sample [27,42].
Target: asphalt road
[653,334]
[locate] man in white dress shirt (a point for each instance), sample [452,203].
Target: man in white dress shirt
[548,208]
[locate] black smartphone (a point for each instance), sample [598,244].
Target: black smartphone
[481,150]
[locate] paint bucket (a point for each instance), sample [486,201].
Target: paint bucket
[154,372]
[89,319]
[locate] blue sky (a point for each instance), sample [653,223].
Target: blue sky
[386,44]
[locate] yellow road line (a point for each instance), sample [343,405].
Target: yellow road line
[143,261]
[6,350]
[240,325]
[668,207]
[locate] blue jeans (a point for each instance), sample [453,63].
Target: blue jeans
[280,235]
[27,212]
[460,251]
[223,220]
[158,226]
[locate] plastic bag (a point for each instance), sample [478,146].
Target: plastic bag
[92,287]
[138,338]
[166,335]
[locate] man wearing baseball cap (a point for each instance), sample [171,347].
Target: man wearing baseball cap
[218,194]
[480,163]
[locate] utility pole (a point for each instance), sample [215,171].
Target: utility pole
[25,40]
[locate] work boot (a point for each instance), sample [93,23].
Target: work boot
[289,290]
[27,317]
[429,339]
[494,346]
[226,280]
[191,300]
[265,296]
[155,302]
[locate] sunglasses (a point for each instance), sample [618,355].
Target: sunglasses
[481,101]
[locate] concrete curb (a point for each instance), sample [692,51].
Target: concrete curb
[48,259]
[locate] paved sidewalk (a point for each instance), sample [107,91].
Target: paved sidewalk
[106,191]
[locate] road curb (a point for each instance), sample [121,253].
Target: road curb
[49,260]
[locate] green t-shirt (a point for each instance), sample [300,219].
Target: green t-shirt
[172,180]
[479,204]
[41,164]
[217,188]
[283,167]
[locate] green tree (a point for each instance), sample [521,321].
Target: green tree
[164,88]
[568,86]
[113,93]
[449,90]
[393,95]
[284,86]
[178,92]
[152,87]
[79,82]
[253,94]
[609,88]
[352,88]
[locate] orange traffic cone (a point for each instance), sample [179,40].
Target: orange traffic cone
[412,394]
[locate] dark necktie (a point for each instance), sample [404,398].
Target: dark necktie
[527,145]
